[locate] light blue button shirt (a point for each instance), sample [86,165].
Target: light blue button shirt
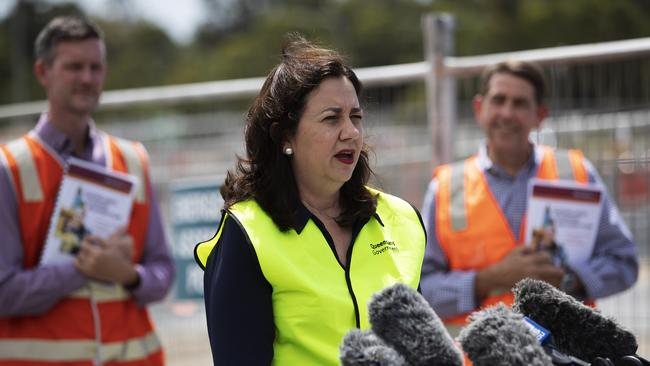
[613,266]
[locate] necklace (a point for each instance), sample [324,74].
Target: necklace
[322,212]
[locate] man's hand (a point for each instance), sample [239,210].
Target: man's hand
[108,260]
[521,262]
[123,241]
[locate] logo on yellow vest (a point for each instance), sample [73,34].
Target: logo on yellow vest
[383,247]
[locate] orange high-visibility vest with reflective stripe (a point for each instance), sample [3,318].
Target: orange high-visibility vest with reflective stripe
[472,230]
[66,334]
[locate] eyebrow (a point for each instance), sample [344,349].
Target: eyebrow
[339,110]
[517,99]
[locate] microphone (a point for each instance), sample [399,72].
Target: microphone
[403,319]
[497,336]
[364,348]
[578,330]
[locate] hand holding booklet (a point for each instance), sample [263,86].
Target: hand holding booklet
[563,217]
[92,200]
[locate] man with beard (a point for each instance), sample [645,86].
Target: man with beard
[474,209]
[91,310]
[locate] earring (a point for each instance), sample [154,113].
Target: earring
[288,151]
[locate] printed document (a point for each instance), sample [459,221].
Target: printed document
[92,200]
[563,216]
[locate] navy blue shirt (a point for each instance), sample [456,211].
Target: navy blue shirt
[238,302]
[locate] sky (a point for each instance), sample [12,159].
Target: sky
[179,18]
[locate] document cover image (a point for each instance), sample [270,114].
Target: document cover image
[562,217]
[92,200]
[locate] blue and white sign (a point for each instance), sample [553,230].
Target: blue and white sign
[195,214]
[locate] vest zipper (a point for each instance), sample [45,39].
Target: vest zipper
[349,282]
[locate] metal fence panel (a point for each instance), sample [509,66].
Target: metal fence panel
[598,104]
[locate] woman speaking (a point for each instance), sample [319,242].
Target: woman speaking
[303,242]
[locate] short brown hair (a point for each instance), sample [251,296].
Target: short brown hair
[526,70]
[61,29]
[266,173]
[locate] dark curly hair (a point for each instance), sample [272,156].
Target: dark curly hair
[266,174]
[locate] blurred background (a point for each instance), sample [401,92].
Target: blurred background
[181,75]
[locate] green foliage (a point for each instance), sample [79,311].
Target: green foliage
[246,41]
[138,54]
[253,53]
[508,25]
[17,34]
[381,32]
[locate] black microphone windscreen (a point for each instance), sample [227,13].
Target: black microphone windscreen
[577,329]
[496,336]
[364,348]
[404,319]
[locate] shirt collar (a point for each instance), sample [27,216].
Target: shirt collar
[302,216]
[59,141]
[486,164]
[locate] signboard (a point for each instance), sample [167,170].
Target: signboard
[195,213]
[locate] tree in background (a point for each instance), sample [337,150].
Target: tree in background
[139,53]
[242,38]
[17,34]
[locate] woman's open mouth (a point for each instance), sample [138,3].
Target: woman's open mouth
[345,156]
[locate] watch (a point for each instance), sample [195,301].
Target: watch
[133,285]
[570,286]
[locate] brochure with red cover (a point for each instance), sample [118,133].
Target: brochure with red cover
[91,200]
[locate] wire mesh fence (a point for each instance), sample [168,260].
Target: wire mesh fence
[611,130]
[601,107]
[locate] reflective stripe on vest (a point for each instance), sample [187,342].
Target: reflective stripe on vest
[134,162]
[101,292]
[30,184]
[33,215]
[471,228]
[5,163]
[79,350]
[123,324]
[315,300]
[564,169]
[458,217]
[563,162]
[131,152]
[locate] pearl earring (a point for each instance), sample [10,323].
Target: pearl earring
[288,151]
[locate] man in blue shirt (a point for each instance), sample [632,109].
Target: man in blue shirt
[508,107]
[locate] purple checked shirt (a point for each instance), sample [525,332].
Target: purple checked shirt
[35,291]
[612,268]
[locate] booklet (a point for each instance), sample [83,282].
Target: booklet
[562,217]
[92,200]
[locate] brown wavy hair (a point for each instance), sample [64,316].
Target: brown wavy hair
[266,174]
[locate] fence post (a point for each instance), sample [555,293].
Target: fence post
[438,29]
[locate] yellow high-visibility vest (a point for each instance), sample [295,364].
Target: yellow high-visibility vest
[315,300]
